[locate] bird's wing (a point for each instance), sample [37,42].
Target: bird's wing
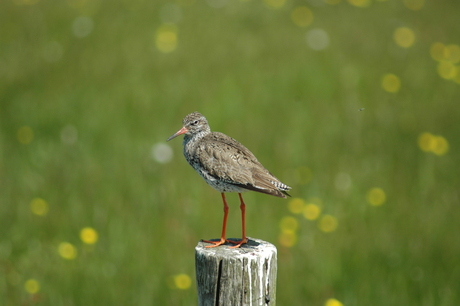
[226,159]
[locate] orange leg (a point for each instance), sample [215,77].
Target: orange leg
[244,239]
[224,227]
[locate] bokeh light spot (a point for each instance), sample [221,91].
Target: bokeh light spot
[376,196]
[452,53]
[432,143]
[82,26]
[360,3]
[296,205]
[404,37]
[426,141]
[182,281]
[287,239]
[39,206]
[275,4]
[302,16]
[437,51]
[311,211]
[328,223]
[25,135]
[289,224]
[447,70]
[457,77]
[414,5]
[391,83]
[441,145]
[162,153]
[89,235]
[318,39]
[333,302]
[67,250]
[32,286]
[166,38]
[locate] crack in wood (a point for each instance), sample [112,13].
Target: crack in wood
[219,276]
[267,290]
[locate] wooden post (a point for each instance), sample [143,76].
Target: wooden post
[236,277]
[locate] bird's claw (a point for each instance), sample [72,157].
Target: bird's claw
[223,241]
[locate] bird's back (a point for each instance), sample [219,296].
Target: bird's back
[225,163]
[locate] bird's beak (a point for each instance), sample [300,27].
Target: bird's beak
[180,132]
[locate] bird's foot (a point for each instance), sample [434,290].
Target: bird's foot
[238,243]
[223,241]
[215,243]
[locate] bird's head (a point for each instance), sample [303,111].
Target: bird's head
[193,124]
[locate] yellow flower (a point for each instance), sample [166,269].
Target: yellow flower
[328,223]
[391,83]
[88,235]
[302,16]
[166,38]
[452,53]
[432,143]
[32,286]
[447,70]
[333,302]
[441,146]
[296,205]
[182,281]
[376,196]
[457,77]
[67,250]
[426,142]
[287,239]
[39,206]
[437,51]
[404,37]
[311,211]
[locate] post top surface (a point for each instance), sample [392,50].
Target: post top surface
[254,247]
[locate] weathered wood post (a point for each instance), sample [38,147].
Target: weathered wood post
[236,277]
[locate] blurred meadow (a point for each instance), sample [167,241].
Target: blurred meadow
[355,104]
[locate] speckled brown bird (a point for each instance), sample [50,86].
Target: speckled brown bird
[227,166]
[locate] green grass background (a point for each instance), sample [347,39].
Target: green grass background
[249,69]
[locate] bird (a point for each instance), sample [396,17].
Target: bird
[227,166]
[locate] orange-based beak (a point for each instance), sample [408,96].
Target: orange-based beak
[180,132]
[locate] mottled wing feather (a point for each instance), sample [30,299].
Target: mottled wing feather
[226,159]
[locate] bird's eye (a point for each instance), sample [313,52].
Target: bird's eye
[195,122]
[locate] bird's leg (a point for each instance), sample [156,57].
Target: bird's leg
[244,239]
[224,227]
